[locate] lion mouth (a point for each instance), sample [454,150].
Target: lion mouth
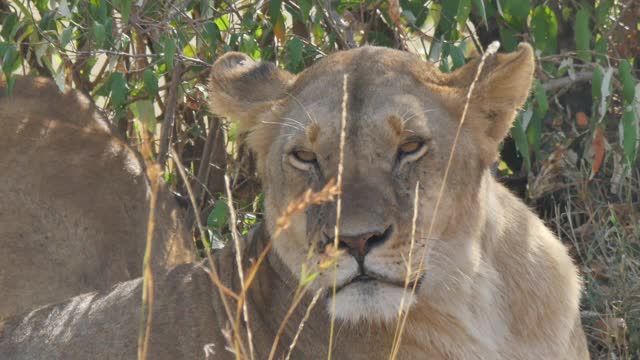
[369,278]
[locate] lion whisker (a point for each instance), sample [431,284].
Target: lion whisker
[414,115]
[295,98]
[295,121]
[280,124]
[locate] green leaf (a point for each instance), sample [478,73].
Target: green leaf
[108,31]
[508,39]
[305,8]
[99,34]
[544,27]
[515,12]
[464,9]
[219,216]
[522,144]
[11,83]
[150,82]
[453,13]
[415,11]
[99,10]
[596,82]
[11,59]
[601,50]
[629,135]
[8,25]
[67,33]
[48,21]
[534,132]
[4,47]
[379,38]
[118,90]
[628,82]
[294,55]
[601,89]
[583,35]
[250,46]
[541,99]
[42,5]
[479,5]
[274,10]
[169,50]
[143,111]
[212,34]
[222,22]
[456,56]
[602,12]
[124,6]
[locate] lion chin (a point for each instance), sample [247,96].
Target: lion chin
[369,300]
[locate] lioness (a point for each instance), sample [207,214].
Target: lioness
[495,283]
[73,201]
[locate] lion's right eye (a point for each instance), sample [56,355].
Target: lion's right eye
[304,156]
[303,159]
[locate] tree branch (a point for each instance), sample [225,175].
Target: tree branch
[554,84]
[169,115]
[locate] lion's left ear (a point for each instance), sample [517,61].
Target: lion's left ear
[501,89]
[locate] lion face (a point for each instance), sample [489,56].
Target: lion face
[401,120]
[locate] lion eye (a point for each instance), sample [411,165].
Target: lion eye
[412,149]
[303,159]
[304,156]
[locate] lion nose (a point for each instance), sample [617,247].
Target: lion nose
[359,245]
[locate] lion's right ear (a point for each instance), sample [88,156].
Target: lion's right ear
[243,89]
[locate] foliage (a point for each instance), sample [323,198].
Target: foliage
[572,153]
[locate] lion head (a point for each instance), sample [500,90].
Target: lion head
[402,116]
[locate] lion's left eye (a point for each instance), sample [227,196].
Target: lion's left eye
[412,149]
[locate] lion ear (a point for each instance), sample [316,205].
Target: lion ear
[502,88]
[243,90]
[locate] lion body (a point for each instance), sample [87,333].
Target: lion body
[74,209]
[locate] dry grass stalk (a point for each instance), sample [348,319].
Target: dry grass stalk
[397,336]
[336,239]
[327,194]
[236,240]
[303,321]
[491,49]
[213,274]
[153,172]
[146,317]
[294,304]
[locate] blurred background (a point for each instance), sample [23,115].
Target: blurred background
[572,154]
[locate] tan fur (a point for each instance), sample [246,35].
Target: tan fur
[74,201]
[496,283]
